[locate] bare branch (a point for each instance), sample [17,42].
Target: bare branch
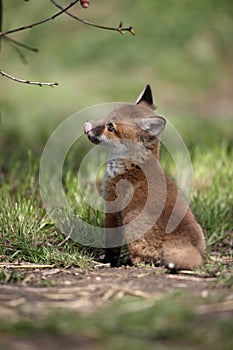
[16,42]
[1,11]
[19,53]
[119,29]
[38,83]
[2,34]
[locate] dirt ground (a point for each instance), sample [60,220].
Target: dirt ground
[34,289]
[28,292]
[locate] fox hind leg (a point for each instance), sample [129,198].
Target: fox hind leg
[181,257]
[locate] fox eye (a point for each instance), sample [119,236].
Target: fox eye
[110,127]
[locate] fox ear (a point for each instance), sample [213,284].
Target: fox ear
[145,99]
[154,125]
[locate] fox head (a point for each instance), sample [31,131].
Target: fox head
[135,122]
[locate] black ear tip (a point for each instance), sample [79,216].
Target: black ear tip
[148,88]
[148,94]
[146,98]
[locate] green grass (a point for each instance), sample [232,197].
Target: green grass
[213,197]
[27,234]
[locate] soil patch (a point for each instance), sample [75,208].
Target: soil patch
[35,290]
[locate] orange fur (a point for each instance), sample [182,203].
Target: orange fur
[184,247]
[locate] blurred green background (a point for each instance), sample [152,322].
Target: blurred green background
[182,48]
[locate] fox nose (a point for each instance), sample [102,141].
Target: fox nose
[87,127]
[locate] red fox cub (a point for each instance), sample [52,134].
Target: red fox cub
[139,196]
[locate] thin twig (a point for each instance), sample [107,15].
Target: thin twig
[15,44]
[64,240]
[8,247]
[18,43]
[1,11]
[19,53]
[99,264]
[28,266]
[2,34]
[119,29]
[27,81]
[119,292]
